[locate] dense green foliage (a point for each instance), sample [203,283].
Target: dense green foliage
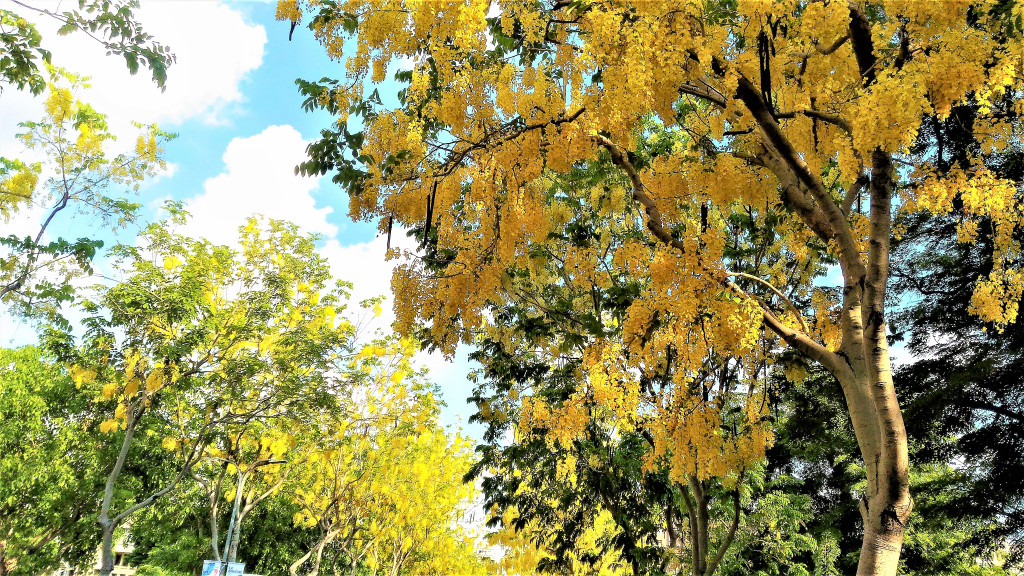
[46,508]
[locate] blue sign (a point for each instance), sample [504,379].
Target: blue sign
[212,568]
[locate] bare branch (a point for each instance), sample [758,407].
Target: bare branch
[819,115]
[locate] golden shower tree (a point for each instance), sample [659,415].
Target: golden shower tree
[799,117]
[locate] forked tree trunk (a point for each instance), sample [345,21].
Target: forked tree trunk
[861,365]
[704,561]
[109,521]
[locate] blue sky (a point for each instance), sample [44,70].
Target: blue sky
[232,100]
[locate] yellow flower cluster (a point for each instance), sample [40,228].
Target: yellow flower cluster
[982,196]
[17,187]
[488,183]
[690,439]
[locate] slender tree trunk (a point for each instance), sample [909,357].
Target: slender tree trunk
[3,558]
[316,552]
[320,553]
[878,422]
[108,524]
[231,547]
[702,562]
[107,549]
[215,533]
[213,495]
[701,518]
[862,364]
[235,539]
[293,570]
[249,502]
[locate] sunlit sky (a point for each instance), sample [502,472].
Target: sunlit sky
[232,100]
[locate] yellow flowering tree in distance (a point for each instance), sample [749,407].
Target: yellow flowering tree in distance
[197,342]
[381,488]
[799,117]
[76,174]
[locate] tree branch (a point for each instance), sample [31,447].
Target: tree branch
[1001,410]
[691,517]
[654,221]
[863,49]
[704,93]
[854,192]
[805,344]
[833,46]
[819,115]
[798,340]
[792,306]
[728,537]
[837,229]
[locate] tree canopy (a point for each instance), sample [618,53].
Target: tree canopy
[801,117]
[36,274]
[680,238]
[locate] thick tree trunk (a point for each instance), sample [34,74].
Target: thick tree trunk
[880,552]
[886,504]
[862,363]
[866,379]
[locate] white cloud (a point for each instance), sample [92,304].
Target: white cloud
[215,49]
[364,265]
[258,178]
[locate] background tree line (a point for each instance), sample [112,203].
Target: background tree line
[203,401]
